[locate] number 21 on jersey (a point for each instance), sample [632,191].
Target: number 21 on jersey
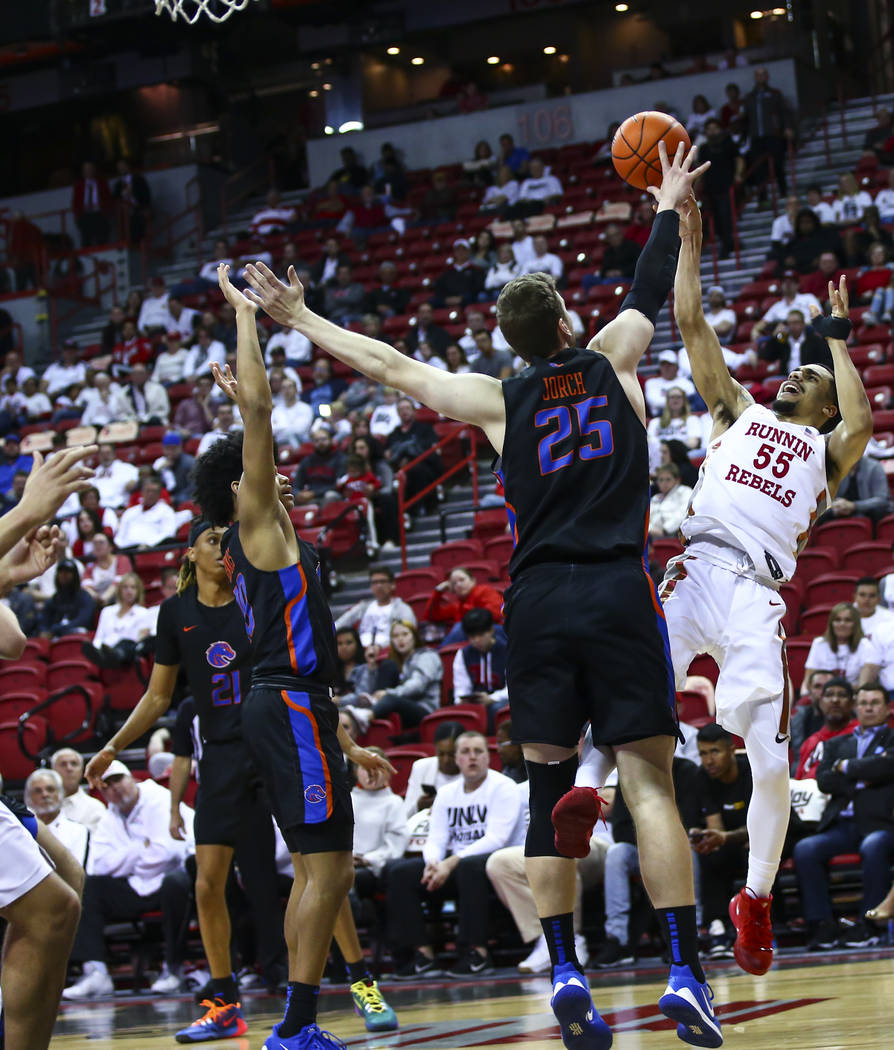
[558,447]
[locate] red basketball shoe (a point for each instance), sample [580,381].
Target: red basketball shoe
[574,817]
[754,941]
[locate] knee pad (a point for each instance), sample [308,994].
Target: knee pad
[548,782]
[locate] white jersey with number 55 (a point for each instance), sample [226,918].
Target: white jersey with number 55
[760,489]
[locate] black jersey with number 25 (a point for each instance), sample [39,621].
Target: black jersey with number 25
[575,463]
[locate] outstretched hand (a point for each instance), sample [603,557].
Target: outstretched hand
[51,482]
[677,177]
[234,297]
[283,302]
[839,297]
[33,554]
[225,380]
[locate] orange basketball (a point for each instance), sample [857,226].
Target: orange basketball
[635,146]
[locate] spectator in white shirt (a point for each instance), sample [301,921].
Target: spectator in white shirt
[522,243]
[429,775]
[479,813]
[676,422]
[205,350]
[374,617]
[295,346]
[60,375]
[12,365]
[539,186]
[884,199]
[504,192]
[719,316]
[121,626]
[273,218]
[668,376]
[135,865]
[108,406]
[146,399]
[543,260]
[102,575]
[183,318]
[35,404]
[149,522]
[77,805]
[504,269]
[43,796]
[279,363]
[732,360]
[847,208]
[867,600]
[170,365]
[783,228]
[791,299]
[820,208]
[669,504]
[154,312]
[380,830]
[476,322]
[114,478]
[224,423]
[291,420]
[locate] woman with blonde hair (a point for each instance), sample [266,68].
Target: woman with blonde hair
[418,690]
[676,422]
[121,626]
[842,648]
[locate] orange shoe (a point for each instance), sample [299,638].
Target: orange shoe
[754,941]
[574,816]
[222,1021]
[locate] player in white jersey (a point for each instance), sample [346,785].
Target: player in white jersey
[768,473]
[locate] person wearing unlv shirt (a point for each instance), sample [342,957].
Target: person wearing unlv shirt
[290,723]
[768,473]
[571,429]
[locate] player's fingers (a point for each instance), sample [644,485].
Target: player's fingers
[653,190]
[36,461]
[700,170]
[678,154]
[70,457]
[268,275]
[293,277]
[662,155]
[252,296]
[256,279]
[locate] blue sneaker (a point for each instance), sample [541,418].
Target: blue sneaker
[222,1021]
[582,1027]
[310,1037]
[688,1002]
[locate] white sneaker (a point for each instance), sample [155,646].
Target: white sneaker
[90,986]
[870,318]
[581,949]
[166,983]
[538,961]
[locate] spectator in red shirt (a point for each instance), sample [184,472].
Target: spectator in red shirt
[453,598]
[358,484]
[639,229]
[733,108]
[817,283]
[369,215]
[837,706]
[333,205]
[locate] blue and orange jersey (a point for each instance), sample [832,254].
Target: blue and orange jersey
[285,614]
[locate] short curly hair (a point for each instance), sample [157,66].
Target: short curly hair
[213,476]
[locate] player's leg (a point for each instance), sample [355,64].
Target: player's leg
[212,869]
[368,1000]
[644,769]
[42,925]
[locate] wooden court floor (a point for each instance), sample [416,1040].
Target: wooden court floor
[804,1004]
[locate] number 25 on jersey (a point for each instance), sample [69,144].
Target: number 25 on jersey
[557,449]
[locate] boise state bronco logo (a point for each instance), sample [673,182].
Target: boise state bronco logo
[220,654]
[315,793]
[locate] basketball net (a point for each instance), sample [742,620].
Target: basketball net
[192,10]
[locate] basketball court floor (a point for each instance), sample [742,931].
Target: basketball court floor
[832,1002]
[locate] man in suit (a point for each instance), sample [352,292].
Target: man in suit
[426,331]
[857,771]
[792,344]
[325,268]
[132,189]
[90,202]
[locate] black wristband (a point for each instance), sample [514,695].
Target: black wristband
[833,327]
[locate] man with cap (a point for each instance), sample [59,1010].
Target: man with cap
[154,312]
[175,467]
[668,375]
[792,299]
[61,374]
[461,282]
[719,316]
[134,866]
[11,461]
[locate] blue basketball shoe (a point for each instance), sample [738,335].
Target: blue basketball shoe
[222,1021]
[310,1037]
[582,1027]
[688,1002]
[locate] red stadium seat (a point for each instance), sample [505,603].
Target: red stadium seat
[16,765]
[830,588]
[414,581]
[843,533]
[867,559]
[123,688]
[878,375]
[490,524]
[70,672]
[814,561]
[455,553]
[499,549]
[15,704]
[37,649]
[705,665]
[418,603]
[884,530]
[692,708]
[379,733]
[663,550]
[22,677]
[402,760]
[796,651]
[815,619]
[68,647]
[483,570]
[447,654]
[472,716]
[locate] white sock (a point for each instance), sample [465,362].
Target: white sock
[595,763]
[770,806]
[95,966]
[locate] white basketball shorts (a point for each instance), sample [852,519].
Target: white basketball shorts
[23,865]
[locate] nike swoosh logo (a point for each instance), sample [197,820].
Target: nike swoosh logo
[777,604]
[192,628]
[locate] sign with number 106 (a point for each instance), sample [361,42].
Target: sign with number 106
[546,125]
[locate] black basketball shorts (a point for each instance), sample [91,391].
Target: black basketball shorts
[231,794]
[292,736]
[588,643]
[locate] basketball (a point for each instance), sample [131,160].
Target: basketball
[635,146]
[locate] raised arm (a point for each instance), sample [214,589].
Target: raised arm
[470,398]
[726,399]
[850,438]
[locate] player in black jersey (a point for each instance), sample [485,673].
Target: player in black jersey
[289,721]
[587,639]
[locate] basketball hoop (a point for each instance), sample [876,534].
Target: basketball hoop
[192,10]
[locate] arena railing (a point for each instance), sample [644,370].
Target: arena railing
[53,742]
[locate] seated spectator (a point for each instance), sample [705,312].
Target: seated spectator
[154,315]
[193,416]
[792,299]
[884,199]
[88,525]
[455,596]
[425,330]
[489,361]
[135,837]
[456,360]
[539,189]
[640,224]
[111,334]
[389,176]
[418,691]
[170,365]
[325,388]
[842,648]
[121,626]
[205,350]
[148,522]
[325,268]
[808,718]
[657,387]
[701,113]
[43,796]
[503,194]
[374,617]
[670,503]
[359,485]
[102,575]
[146,399]
[35,405]
[333,206]
[461,283]
[481,167]
[440,200]
[876,284]
[183,318]
[13,366]
[358,668]
[867,601]
[77,805]
[723,789]
[504,269]
[291,419]
[108,405]
[207,276]
[676,421]
[224,423]
[822,210]
[344,297]
[70,609]
[471,98]
[484,251]
[10,499]
[620,255]
[58,376]
[859,239]
[817,283]
[405,443]
[857,771]
[792,344]
[386,299]
[837,710]
[783,229]
[810,241]
[453,864]
[380,829]
[718,315]
[847,208]
[12,460]
[863,492]
[365,216]
[352,174]
[479,668]
[514,157]
[429,775]
[880,139]
[316,475]
[543,260]
[273,218]
[174,467]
